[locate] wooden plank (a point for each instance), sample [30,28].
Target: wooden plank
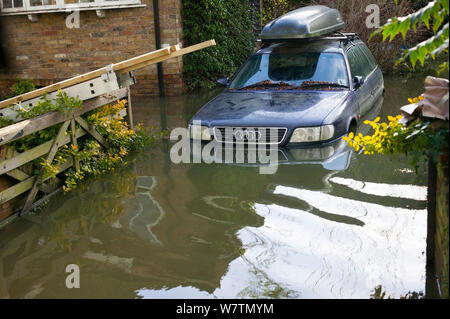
[3,150]
[73,138]
[91,130]
[21,176]
[16,190]
[87,76]
[24,128]
[129,110]
[145,57]
[51,154]
[22,187]
[178,53]
[27,156]
[18,174]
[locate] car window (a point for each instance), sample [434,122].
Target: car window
[369,55]
[355,62]
[359,63]
[292,68]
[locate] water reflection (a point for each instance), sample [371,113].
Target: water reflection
[158,230]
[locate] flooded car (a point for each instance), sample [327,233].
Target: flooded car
[295,91]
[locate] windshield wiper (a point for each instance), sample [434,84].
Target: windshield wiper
[323,84]
[268,83]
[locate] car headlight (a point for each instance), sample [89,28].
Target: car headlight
[200,133]
[312,134]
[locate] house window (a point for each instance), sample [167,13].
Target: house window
[10,4]
[8,7]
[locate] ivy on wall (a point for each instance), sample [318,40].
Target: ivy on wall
[231,24]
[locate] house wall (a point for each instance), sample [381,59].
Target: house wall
[47,51]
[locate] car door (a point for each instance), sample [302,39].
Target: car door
[375,76]
[359,67]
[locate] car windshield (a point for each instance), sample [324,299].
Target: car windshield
[292,71]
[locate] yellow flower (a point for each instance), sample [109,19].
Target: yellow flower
[122,152]
[377,119]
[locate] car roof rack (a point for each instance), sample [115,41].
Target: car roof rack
[345,37]
[340,36]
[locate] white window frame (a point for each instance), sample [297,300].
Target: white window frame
[60,6]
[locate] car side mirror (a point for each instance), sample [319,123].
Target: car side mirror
[358,81]
[224,81]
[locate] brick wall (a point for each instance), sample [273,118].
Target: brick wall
[47,51]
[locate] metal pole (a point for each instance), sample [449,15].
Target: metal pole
[431,289]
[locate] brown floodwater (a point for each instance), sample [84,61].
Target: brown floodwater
[317,228]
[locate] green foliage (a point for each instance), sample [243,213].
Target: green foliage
[379,293]
[419,139]
[230,23]
[5,122]
[273,9]
[63,103]
[433,16]
[20,87]
[95,161]
[35,139]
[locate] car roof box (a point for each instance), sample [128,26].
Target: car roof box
[304,23]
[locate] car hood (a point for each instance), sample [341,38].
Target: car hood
[269,108]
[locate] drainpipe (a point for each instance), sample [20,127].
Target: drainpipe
[2,56]
[158,45]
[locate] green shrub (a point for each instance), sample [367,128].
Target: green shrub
[21,87]
[273,9]
[231,24]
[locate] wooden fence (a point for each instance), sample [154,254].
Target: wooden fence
[96,88]
[17,165]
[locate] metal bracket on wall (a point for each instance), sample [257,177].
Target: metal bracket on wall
[100,13]
[106,83]
[33,17]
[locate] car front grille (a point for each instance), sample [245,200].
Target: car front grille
[250,135]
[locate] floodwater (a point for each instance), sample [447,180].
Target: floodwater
[328,224]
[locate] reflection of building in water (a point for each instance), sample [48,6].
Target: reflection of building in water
[145,211]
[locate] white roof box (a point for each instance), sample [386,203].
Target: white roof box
[303,23]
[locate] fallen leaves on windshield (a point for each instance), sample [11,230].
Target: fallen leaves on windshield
[279,86]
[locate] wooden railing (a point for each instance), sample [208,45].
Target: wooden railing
[95,89]
[12,162]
